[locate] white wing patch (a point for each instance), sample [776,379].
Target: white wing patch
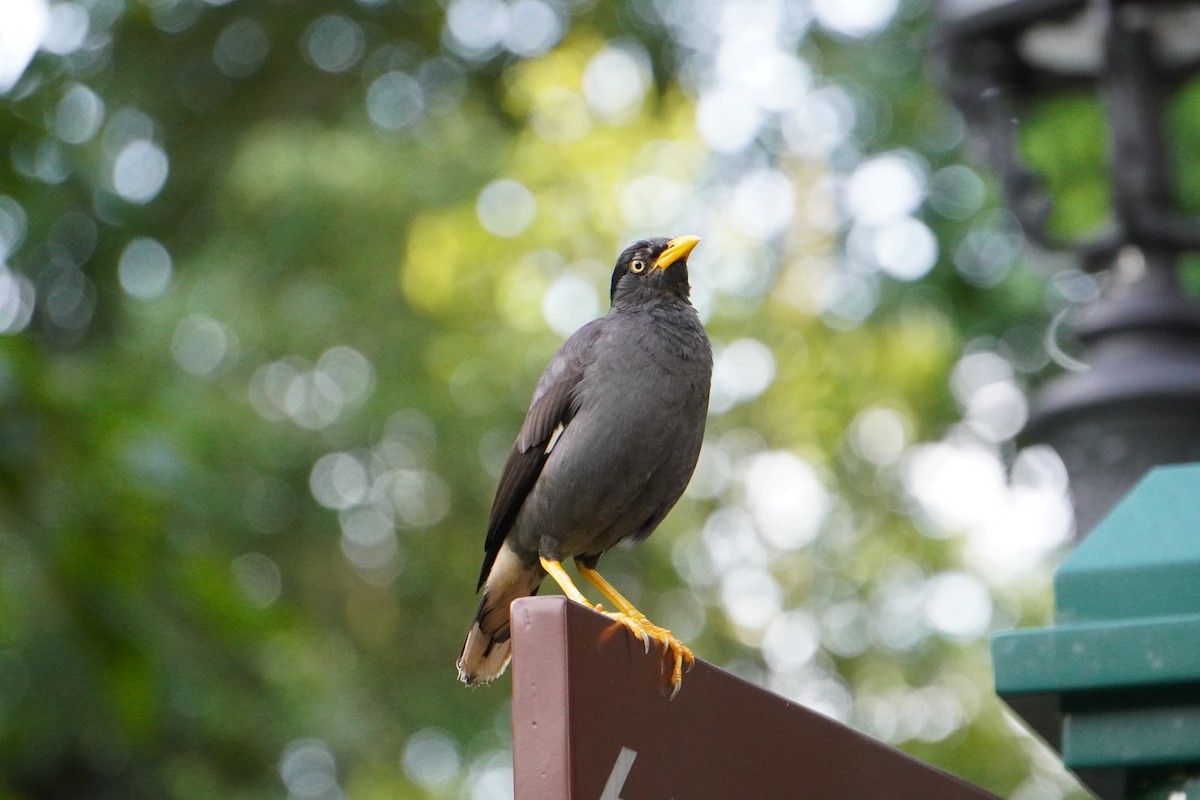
[554,438]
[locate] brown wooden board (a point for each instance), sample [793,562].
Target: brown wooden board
[592,720]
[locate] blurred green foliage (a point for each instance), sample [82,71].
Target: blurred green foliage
[244,493]
[1074,167]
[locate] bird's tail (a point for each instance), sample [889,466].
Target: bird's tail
[488,648]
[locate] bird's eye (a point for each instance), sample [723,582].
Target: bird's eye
[637,265]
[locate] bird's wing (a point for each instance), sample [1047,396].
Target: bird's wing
[554,404]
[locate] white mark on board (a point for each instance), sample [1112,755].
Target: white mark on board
[620,771]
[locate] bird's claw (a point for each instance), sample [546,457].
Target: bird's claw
[636,627]
[683,655]
[646,630]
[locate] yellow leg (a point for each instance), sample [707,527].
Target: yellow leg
[607,589]
[555,570]
[643,628]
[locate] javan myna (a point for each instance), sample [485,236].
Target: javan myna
[607,448]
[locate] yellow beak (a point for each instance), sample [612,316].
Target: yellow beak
[678,248]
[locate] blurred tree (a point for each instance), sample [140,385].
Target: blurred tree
[277,281]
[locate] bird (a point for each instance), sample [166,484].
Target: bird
[608,446]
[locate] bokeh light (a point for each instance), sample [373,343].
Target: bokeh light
[201,344]
[259,578]
[139,171]
[615,81]
[884,188]
[309,771]
[905,248]
[742,371]
[395,101]
[880,435]
[751,597]
[854,17]
[13,225]
[17,295]
[654,202]
[432,758]
[533,27]
[569,302]
[313,396]
[26,22]
[791,640]
[338,481]
[79,115]
[68,298]
[786,498]
[67,28]
[475,28]
[491,777]
[145,268]
[506,208]
[957,605]
[956,192]
[764,203]
[334,43]
[958,484]
[727,120]
[241,48]
[369,539]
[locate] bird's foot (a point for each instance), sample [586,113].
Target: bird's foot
[635,626]
[646,630]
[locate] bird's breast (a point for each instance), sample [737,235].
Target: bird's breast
[627,453]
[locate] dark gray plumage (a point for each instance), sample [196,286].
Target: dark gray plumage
[607,448]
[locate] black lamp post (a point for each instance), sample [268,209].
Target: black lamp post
[1137,405]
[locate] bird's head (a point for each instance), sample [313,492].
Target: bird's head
[658,263]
